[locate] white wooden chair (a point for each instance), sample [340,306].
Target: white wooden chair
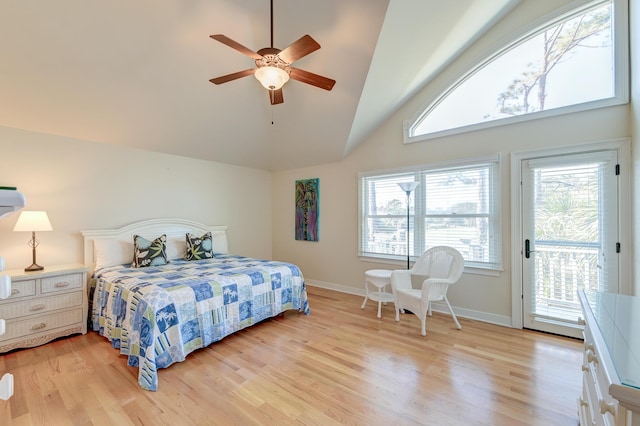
[439,267]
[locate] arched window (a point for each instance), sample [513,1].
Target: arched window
[575,62]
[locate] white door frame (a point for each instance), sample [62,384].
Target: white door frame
[624,205]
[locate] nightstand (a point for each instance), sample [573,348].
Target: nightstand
[44,305]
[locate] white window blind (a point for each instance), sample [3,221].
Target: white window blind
[574,236]
[455,204]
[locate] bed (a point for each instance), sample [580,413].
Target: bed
[156,314]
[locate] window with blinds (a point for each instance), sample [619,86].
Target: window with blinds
[454,204]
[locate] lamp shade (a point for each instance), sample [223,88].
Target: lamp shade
[33,221]
[272,78]
[408,187]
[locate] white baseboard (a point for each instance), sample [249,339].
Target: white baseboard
[336,287]
[487,317]
[490,318]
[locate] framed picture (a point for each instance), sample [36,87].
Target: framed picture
[307,209]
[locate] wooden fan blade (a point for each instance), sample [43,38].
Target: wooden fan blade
[275,96]
[234,76]
[312,79]
[235,45]
[299,49]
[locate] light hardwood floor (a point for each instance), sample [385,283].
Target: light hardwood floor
[339,365]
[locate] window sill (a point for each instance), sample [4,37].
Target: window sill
[402,264]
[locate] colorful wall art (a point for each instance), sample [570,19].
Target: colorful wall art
[307,209]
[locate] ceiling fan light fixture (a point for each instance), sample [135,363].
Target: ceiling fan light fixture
[271,77]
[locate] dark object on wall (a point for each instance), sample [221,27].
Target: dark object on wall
[307,209]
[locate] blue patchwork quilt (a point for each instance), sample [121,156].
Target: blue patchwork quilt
[158,315]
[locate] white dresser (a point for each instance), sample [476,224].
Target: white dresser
[611,363]
[44,305]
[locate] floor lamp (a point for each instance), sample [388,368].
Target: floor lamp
[408,187]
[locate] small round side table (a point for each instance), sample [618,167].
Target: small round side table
[379,279]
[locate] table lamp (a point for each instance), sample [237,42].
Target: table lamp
[33,221]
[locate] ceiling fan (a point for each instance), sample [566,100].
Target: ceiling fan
[273,66]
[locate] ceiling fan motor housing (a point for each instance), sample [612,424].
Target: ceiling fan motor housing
[272,71]
[270,58]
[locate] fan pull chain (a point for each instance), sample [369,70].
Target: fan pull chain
[272,96]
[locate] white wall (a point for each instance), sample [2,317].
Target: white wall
[85,185]
[333,262]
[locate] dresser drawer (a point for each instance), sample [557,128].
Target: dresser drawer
[22,289]
[607,406]
[586,402]
[61,283]
[603,407]
[40,305]
[29,326]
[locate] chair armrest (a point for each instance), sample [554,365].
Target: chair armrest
[433,281]
[435,288]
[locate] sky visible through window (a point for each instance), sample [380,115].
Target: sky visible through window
[585,73]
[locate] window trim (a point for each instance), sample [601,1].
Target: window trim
[621,74]
[473,267]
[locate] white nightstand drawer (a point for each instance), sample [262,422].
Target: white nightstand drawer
[22,289]
[40,305]
[38,324]
[61,283]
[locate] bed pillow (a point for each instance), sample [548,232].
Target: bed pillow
[220,242]
[199,248]
[149,253]
[176,248]
[111,252]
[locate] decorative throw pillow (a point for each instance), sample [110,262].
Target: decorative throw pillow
[199,247]
[149,253]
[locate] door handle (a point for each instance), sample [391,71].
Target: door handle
[527,249]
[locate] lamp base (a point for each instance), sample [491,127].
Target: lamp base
[34,267]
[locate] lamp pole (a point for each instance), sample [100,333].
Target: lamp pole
[408,188]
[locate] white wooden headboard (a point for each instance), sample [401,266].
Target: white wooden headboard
[152,228]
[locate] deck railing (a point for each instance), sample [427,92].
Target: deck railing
[562,268]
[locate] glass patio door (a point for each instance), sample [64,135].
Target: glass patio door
[570,235]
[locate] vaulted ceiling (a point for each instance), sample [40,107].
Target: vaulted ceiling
[136,73]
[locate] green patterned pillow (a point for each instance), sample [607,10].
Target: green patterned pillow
[199,248]
[149,253]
